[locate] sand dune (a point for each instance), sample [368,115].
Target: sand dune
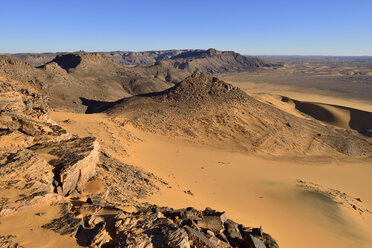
[338,116]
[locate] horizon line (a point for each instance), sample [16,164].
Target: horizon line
[184,49]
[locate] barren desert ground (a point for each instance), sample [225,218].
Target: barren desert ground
[307,202]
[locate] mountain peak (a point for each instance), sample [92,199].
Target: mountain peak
[201,86]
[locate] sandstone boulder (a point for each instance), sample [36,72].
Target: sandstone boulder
[74,162]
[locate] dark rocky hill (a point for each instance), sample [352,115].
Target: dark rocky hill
[205,109]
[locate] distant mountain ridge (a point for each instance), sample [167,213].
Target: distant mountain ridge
[210,61]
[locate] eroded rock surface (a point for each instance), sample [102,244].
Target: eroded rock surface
[74,162]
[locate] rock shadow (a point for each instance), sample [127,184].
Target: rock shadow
[94,106]
[67,61]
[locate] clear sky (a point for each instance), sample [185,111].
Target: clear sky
[295,27]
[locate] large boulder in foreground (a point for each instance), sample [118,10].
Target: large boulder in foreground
[74,162]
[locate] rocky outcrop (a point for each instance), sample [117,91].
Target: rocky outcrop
[65,225]
[43,170]
[22,99]
[37,158]
[164,227]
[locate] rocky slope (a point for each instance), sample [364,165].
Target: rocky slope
[42,165]
[204,109]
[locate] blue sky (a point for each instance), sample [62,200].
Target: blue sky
[301,27]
